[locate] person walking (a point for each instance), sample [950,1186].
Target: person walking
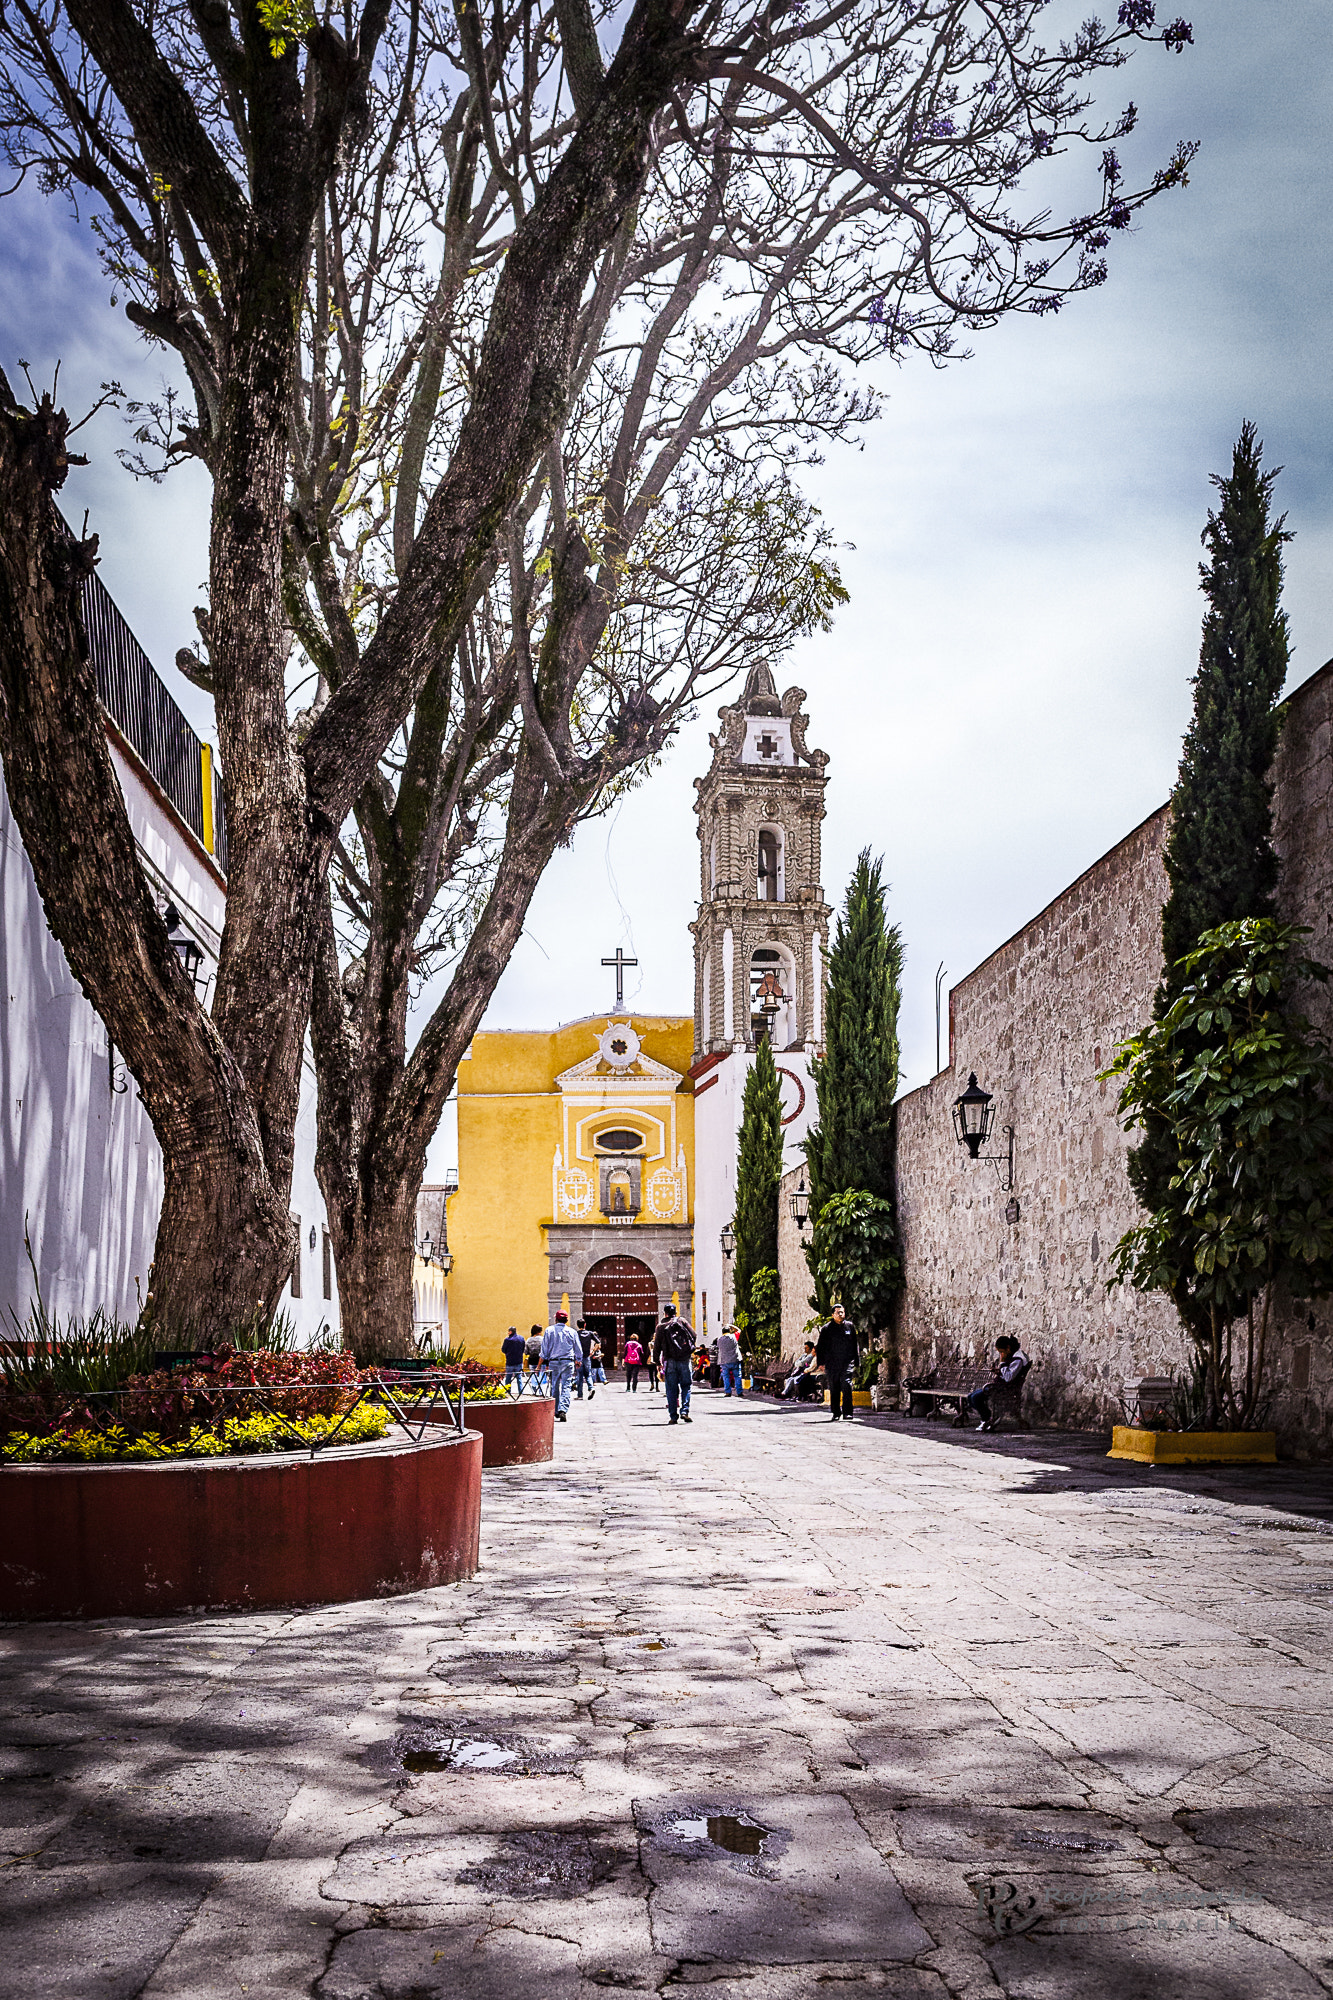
[835,1352]
[583,1373]
[561,1353]
[729,1360]
[650,1363]
[595,1358]
[673,1345]
[532,1356]
[633,1361]
[513,1347]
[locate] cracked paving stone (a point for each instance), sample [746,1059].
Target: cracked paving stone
[478,1962]
[1215,1962]
[825,1894]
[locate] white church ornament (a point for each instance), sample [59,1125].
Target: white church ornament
[619,1045]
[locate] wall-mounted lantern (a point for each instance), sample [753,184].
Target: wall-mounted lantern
[446,1261]
[800,1205]
[727,1239]
[973,1117]
[185,948]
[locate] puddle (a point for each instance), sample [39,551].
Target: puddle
[430,1746]
[1065,1843]
[461,1753]
[733,1833]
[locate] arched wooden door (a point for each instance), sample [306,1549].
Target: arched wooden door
[619,1297]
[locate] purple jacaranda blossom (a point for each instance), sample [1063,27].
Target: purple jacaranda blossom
[1136,14]
[1177,34]
[1051,303]
[1111,167]
[1118,215]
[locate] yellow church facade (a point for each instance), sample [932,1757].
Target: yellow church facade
[575,1178]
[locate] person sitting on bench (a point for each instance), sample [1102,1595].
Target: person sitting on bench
[801,1382]
[1011,1366]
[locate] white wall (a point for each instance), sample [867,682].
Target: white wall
[78,1157]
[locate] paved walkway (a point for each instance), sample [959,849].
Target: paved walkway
[760,1707]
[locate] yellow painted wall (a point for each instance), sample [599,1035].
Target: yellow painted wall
[509,1125]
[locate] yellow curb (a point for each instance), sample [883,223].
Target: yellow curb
[1194,1447]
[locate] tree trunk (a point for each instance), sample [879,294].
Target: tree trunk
[225,1240]
[374,1249]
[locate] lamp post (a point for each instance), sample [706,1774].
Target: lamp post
[727,1239]
[799,1199]
[973,1117]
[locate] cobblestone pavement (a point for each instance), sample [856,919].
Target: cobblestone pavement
[762,1709]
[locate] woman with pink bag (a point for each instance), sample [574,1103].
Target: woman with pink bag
[633,1362]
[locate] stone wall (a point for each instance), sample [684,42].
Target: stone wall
[1036,1021]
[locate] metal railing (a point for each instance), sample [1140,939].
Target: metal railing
[146,716]
[100,1408]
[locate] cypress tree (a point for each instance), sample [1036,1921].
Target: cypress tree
[856,1079]
[758,1171]
[1219,854]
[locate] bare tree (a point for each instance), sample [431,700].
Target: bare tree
[469,315]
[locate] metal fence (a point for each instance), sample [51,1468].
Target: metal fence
[145,714]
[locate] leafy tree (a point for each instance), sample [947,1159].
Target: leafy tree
[856,1079]
[760,1325]
[1245,1089]
[856,1259]
[758,1171]
[414,264]
[1219,853]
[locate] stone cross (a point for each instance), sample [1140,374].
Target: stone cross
[767,745]
[620,962]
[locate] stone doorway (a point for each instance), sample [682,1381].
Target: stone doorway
[619,1298]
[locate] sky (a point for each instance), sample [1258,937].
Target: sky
[1003,698]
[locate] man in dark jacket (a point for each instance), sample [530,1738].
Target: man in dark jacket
[583,1373]
[673,1344]
[512,1347]
[836,1354]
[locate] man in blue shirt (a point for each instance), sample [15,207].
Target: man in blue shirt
[561,1354]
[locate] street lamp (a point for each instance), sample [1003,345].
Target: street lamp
[446,1261]
[973,1114]
[973,1117]
[728,1240]
[800,1205]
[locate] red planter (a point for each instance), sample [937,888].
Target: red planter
[515,1433]
[97,1541]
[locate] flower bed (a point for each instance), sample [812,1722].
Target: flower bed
[239,1533]
[229,1436]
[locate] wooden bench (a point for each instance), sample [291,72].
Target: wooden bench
[950,1384]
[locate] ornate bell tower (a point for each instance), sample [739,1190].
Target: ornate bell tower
[763,923]
[759,947]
